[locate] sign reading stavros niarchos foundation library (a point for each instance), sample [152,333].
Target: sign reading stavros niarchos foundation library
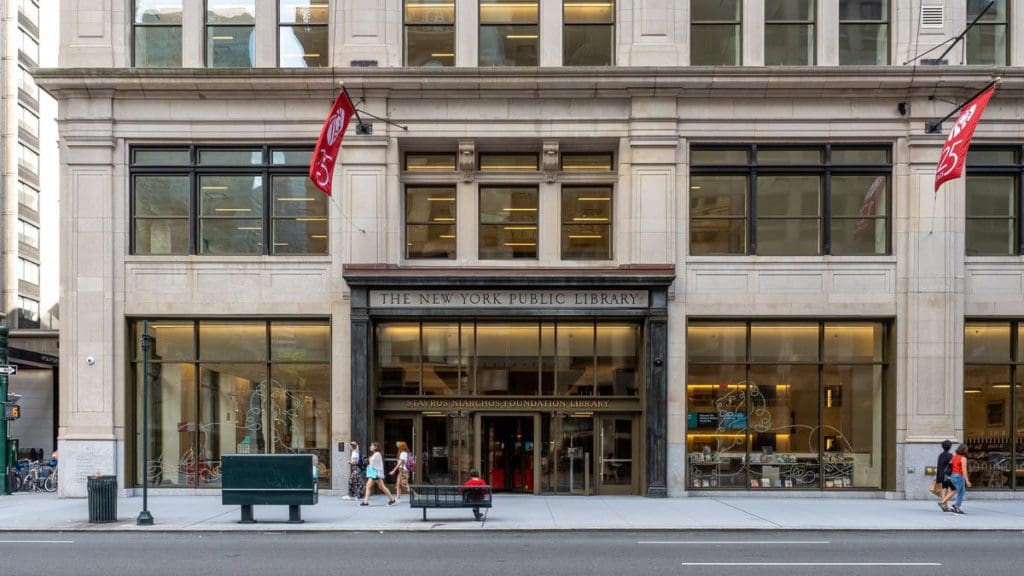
[511,299]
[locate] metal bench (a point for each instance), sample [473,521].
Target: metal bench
[269,479]
[450,496]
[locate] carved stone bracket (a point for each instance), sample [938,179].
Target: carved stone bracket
[467,160]
[549,161]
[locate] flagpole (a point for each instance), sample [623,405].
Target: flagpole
[936,127]
[361,127]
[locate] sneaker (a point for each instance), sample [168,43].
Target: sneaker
[346,497]
[392,503]
[364,503]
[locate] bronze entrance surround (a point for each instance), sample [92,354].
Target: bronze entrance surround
[604,438]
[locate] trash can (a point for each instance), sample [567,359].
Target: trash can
[102,499]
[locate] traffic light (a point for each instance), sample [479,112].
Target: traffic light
[11,409]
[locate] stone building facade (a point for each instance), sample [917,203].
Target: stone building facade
[634,275]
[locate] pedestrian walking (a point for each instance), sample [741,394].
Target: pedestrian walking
[356,484]
[959,476]
[941,486]
[375,476]
[402,470]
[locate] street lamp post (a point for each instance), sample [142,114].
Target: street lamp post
[145,518]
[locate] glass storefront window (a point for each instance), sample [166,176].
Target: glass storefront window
[805,411]
[429,33]
[508,222]
[789,32]
[588,38]
[221,395]
[987,41]
[864,32]
[715,27]
[302,33]
[430,217]
[230,33]
[509,33]
[495,358]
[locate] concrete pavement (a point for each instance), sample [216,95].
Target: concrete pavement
[46,512]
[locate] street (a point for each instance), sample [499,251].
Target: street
[513,553]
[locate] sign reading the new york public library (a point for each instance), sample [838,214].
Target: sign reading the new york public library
[509,299]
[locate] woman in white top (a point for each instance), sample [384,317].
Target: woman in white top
[375,475]
[355,476]
[402,469]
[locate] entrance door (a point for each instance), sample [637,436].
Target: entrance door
[445,454]
[571,462]
[617,465]
[507,451]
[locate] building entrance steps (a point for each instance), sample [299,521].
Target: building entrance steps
[32,512]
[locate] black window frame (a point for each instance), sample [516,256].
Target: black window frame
[1017,170]
[825,169]
[266,169]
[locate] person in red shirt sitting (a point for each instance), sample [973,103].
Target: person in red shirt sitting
[473,491]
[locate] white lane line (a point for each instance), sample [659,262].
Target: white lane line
[823,564]
[37,541]
[760,542]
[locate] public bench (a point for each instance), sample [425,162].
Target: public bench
[450,496]
[269,479]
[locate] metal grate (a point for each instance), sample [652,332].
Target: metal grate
[933,16]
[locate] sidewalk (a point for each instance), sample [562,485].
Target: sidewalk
[46,512]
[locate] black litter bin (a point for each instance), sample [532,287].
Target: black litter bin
[102,499]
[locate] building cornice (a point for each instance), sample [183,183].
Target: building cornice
[615,82]
[636,275]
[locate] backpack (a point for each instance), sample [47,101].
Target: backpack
[410,463]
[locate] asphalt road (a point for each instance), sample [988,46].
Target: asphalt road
[512,554]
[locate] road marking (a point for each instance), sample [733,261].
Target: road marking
[759,542]
[37,541]
[812,564]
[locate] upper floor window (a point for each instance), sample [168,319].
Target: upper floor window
[790,201]
[987,39]
[28,196]
[508,222]
[715,30]
[993,199]
[30,8]
[302,38]
[589,35]
[789,32]
[229,201]
[864,32]
[509,32]
[157,33]
[230,33]
[28,159]
[429,32]
[28,271]
[28,121]
[28,312]
[28,45]
[430,220]
[27,83]
[28,234]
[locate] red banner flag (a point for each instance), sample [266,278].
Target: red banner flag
[954,153]
[321,168]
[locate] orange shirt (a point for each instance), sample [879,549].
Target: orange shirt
[958,464]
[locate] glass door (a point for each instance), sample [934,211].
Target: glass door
[507,452]
[570,457]
[392,430]
[616,466]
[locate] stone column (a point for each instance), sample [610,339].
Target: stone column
[361,365]
[89,438]
[753,33]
